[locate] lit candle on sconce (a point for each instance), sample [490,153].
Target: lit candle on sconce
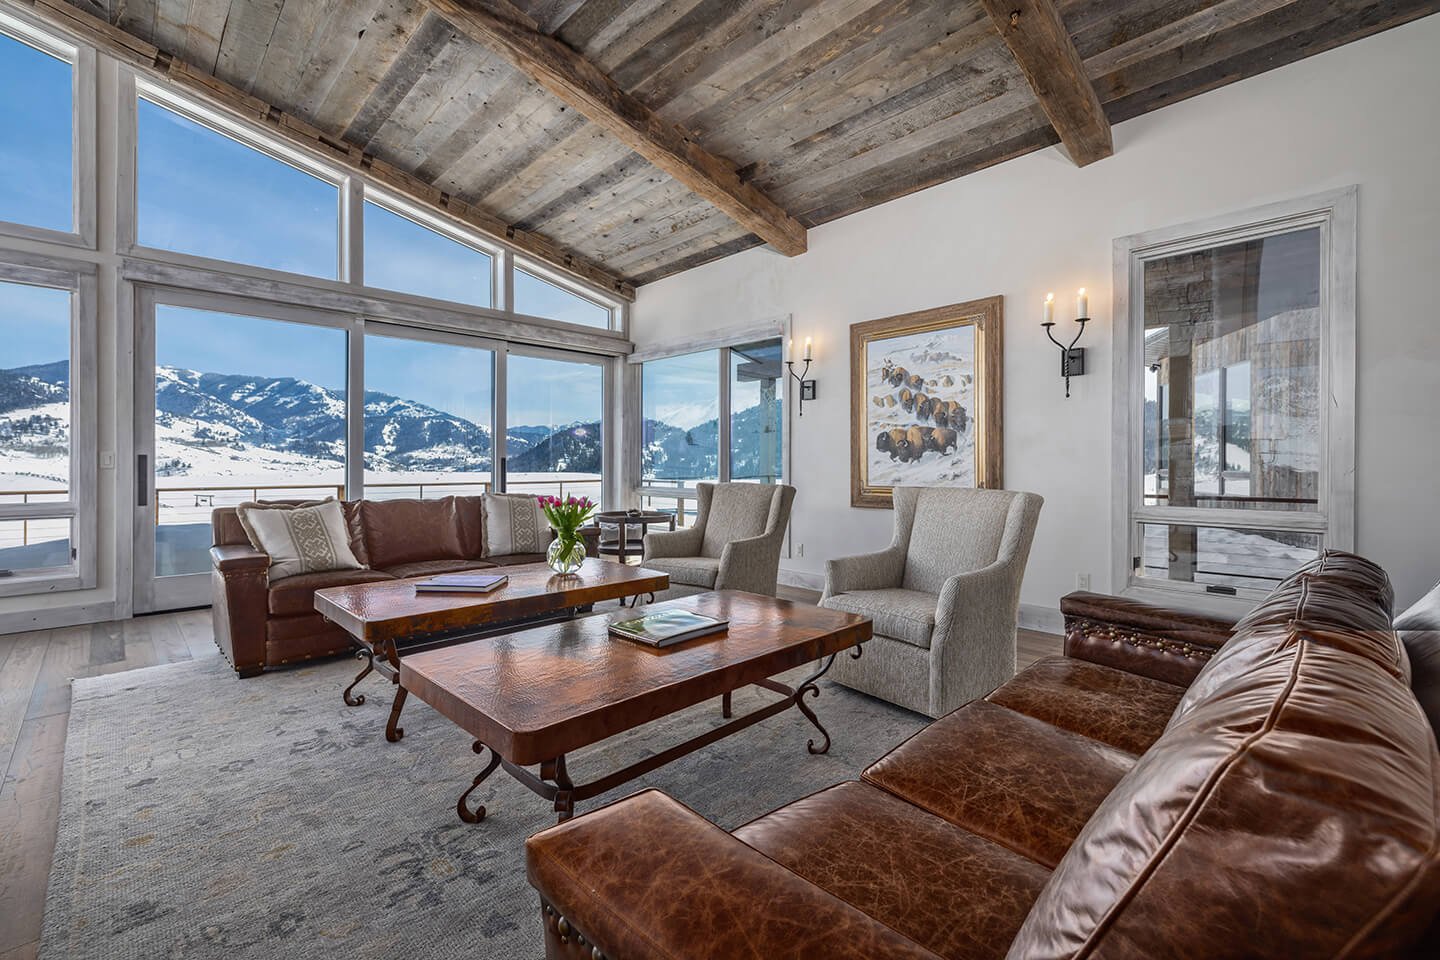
[1082,304]
[1049,308]
[807,348]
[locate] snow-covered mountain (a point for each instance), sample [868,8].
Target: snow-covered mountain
[214,426]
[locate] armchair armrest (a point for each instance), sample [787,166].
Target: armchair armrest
[240,584]
[1151,641]
[972,650]
[649,878]
[866,571]
[751,564]
[684,542]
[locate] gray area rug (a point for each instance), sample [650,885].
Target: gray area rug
[208,817]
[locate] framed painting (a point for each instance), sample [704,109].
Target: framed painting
[925,398]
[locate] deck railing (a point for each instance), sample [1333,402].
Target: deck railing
[192,504]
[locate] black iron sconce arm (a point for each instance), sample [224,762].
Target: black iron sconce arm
[1072,358]
[807,387]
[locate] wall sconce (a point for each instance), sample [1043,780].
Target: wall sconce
[1072,358]
[807,387]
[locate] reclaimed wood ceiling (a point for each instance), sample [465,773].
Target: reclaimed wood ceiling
[825,107]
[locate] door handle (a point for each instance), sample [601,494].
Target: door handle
[142,480]
[504,464]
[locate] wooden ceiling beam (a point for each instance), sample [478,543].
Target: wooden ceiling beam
[1036,36]
[296,132]
[500,26]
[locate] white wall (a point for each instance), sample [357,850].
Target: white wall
[1363,114]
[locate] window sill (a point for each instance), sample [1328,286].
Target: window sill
[1192,601]
[39,582]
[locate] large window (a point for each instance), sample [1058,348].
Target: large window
[37,114]
[711,415]
[680,420]
[429,415]
[757,423]
[203,192]
[537,296]
[403,254]
[1234,338]
[47,430]
[555,414]
[246,408]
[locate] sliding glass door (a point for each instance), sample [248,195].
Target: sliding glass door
[235,401]
[238,400]
[554,415]
[429,413]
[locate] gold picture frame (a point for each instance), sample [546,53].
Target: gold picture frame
[925,400]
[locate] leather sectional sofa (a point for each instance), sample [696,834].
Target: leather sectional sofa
[259,624]
[1173,786]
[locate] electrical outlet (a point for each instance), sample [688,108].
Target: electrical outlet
[1082,581]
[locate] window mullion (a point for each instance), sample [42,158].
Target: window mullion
[723,415]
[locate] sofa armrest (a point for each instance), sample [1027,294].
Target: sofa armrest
[237,557]
[685,542]
[866,571]
[240,605]
[1141,638]
[649,878]
[751,564]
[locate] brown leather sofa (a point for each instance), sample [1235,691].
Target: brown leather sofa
[259,624]
[1174,786]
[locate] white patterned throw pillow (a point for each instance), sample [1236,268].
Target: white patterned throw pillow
[308,538]
[514,523]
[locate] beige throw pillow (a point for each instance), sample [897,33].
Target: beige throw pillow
[514,523]
[308,538]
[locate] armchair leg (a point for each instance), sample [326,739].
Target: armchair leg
[725,706]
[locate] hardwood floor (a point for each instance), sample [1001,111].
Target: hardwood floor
[35,673]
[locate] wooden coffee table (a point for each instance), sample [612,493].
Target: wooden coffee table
[390,616]
[534,696]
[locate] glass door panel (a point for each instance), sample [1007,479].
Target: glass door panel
[429,417]
[756,418]
[554,409]
[234,407]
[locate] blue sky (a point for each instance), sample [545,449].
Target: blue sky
[34,324]
[35,135]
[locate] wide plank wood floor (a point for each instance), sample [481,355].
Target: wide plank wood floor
[35,673]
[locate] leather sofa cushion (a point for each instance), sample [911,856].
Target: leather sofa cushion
[431,568]
[1294,808]
[404,531]
[907,615]
[650,878]
[515,559]
[1123,709]
[1341,597]
[1004,776]
[1419,629]
[295,595]
[691,571]
[958,895]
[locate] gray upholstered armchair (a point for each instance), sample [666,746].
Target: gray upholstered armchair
[734,543]
[944,597]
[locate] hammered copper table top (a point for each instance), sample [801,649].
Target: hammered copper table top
[392,609]
[543,692]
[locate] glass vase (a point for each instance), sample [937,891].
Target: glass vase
[565,555]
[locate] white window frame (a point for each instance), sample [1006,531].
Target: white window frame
[1334,214]
[445,228]
[80,574]
[221,125]
[554,278]
[82,132]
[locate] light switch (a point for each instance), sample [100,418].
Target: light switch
[107,460]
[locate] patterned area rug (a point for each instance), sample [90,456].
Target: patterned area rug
[209,817]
